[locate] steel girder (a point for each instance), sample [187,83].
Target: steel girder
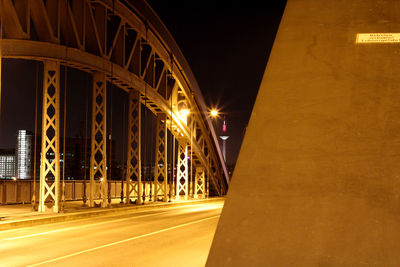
[199,185]
[127,43]
[50,156]
[98,155]
[161,164]
[134,186]
[182,171]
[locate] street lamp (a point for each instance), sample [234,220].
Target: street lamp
[185,112]
[183,115]
[214,113]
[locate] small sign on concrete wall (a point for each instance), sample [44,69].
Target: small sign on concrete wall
[363,38]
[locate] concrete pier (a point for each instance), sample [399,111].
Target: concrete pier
[318,177]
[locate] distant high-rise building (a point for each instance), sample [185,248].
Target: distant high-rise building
[24,155]
[20,163]
[7,163]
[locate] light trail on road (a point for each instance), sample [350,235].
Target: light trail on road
[176,236]
[122,241]
[77,227]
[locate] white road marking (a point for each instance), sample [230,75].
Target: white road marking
[78,227]
[89,225]
[123,241]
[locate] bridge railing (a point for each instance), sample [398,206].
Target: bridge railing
[21,191]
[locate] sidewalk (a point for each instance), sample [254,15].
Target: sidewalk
[23,215]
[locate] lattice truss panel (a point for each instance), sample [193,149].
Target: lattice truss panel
[133,173]
[110,36]
[98,162]
[161,164]
[50,155]
[199,182]
[182,171]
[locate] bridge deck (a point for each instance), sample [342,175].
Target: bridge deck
[175,236]
[22,215]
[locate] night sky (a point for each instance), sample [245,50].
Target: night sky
[226,44]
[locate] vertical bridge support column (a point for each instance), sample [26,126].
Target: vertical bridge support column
[161,164]
[98,163]
[50,158]
[134,169]
[208,177]
[182,170]
[199,183]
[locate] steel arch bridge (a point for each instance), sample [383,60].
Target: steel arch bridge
[125,43]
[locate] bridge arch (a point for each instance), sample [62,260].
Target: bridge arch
[127,44]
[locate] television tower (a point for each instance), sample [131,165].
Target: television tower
[224,137]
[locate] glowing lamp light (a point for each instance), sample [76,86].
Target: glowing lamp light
[214,113]
[185,112]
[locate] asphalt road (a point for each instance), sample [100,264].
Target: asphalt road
[176,236]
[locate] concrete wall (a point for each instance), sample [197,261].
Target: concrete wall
[317,181]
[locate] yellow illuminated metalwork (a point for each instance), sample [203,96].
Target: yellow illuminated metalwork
[79,38]
[50,155]
[182,171]
[161,167]
[199,183]
[133,173]
[98,162]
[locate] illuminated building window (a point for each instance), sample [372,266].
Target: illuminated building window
[7,166]
[23,153]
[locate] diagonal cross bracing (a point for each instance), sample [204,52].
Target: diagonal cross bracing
[161,167]
[78,36]
[133,174]
[98,166]
[199,182]
[50,156]
[182,171]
